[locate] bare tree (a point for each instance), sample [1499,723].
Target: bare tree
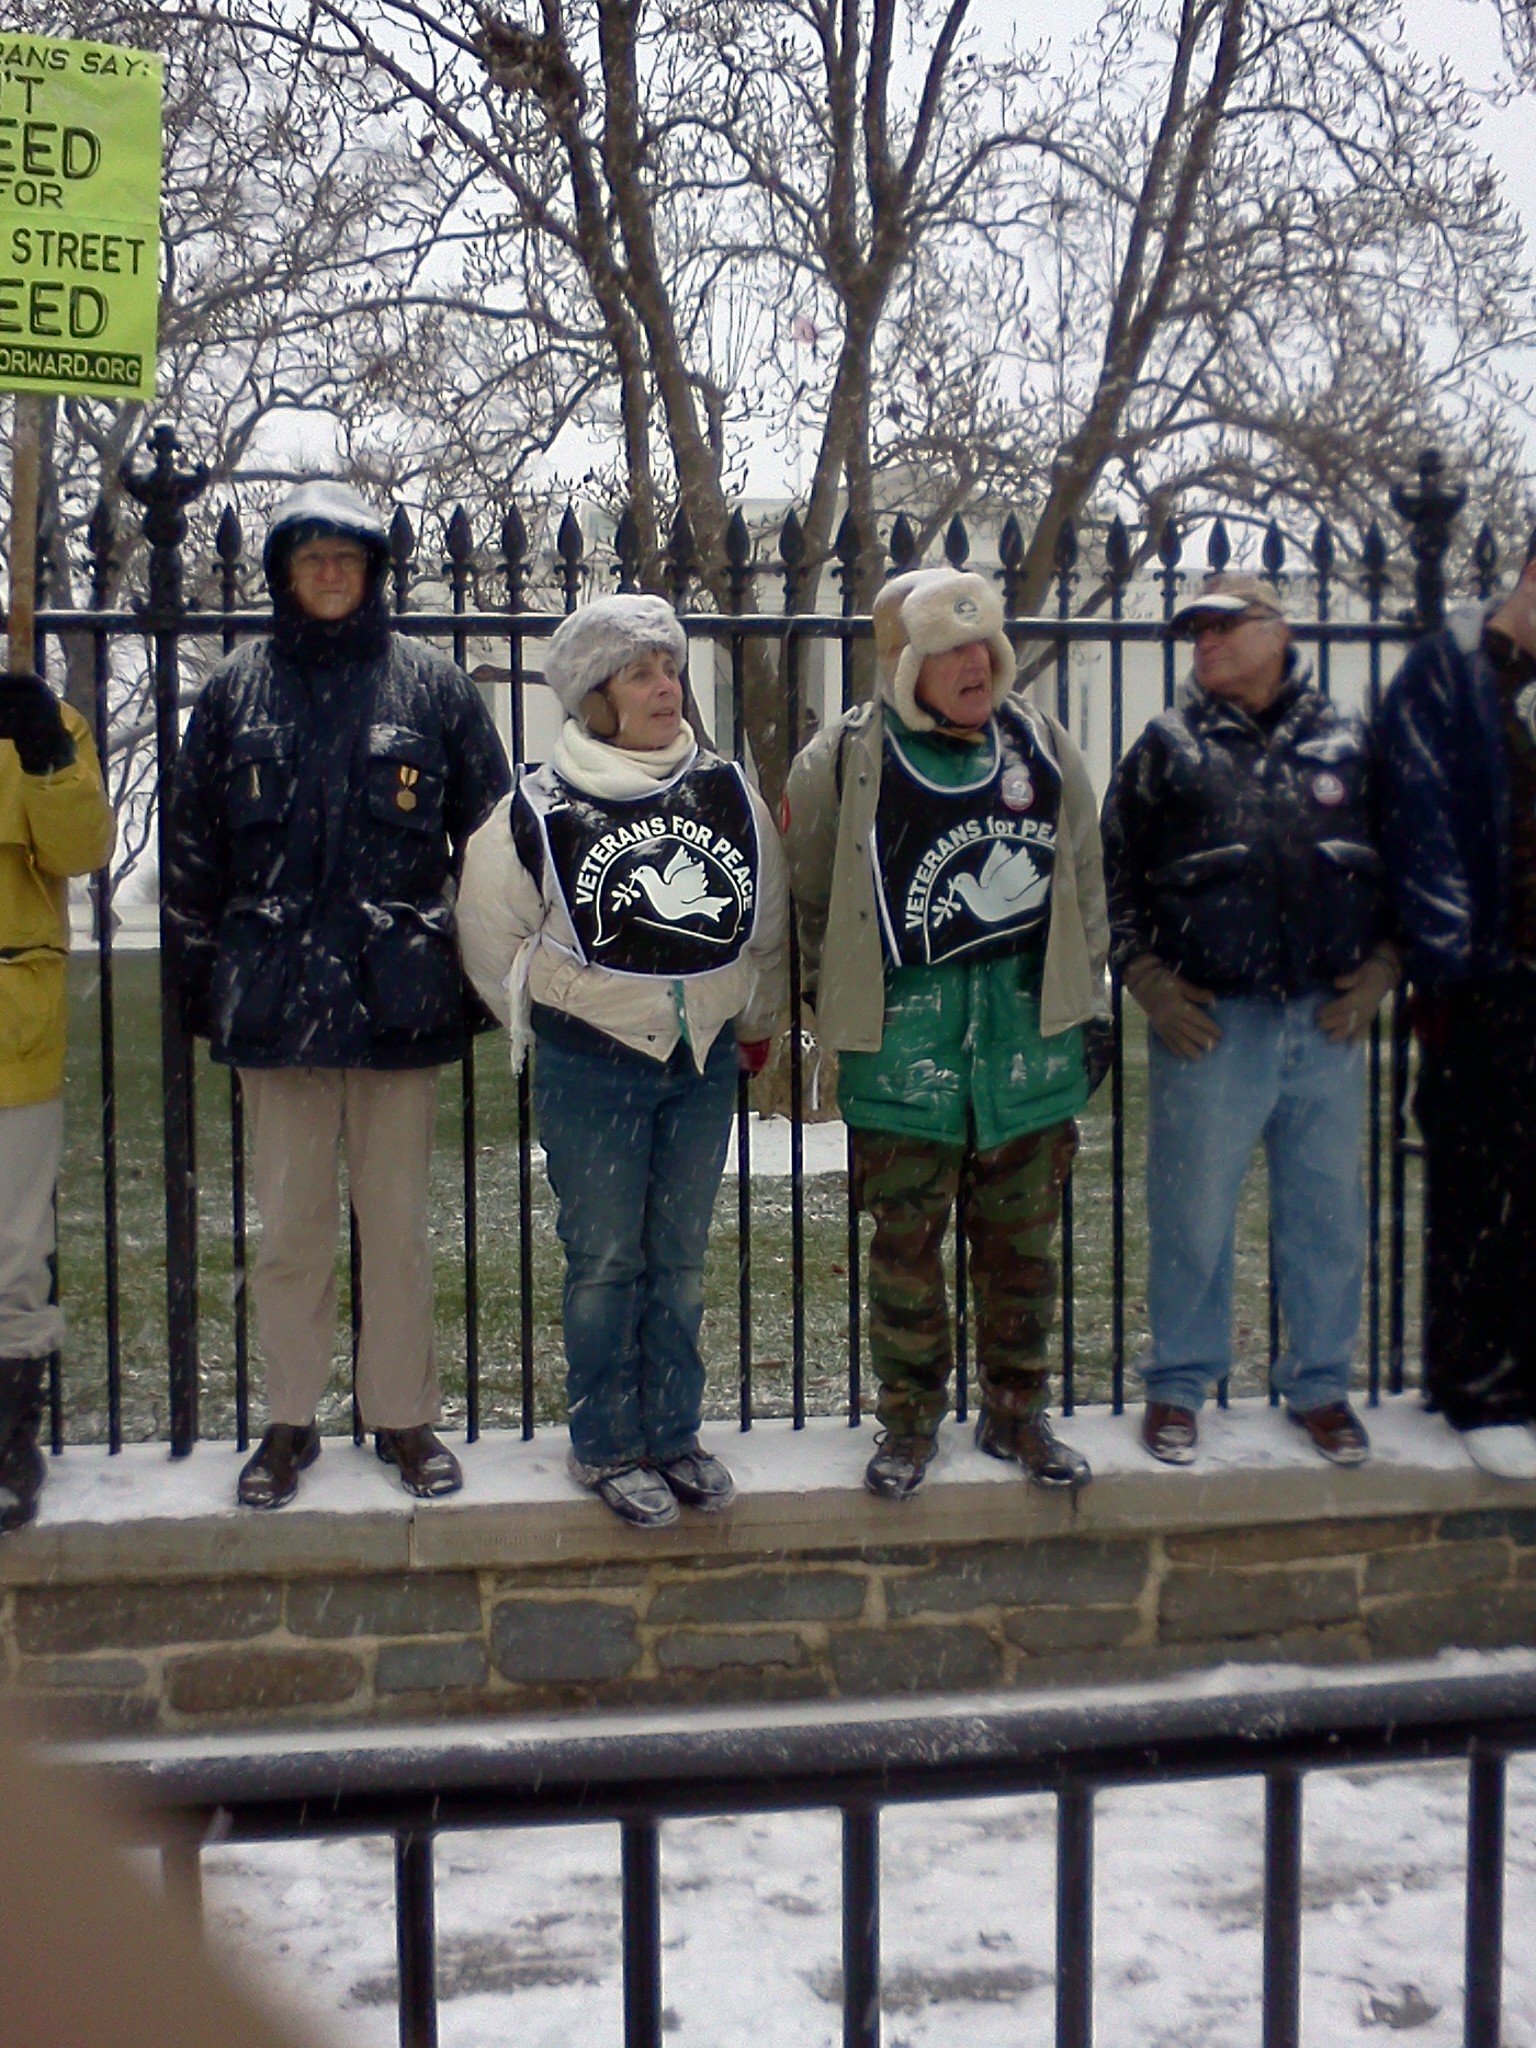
[1232,248]
[1276,265]
[1518,20]
[692,172]
[318,303]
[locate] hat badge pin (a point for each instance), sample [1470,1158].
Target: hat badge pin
[1328,788]
[965,608]
[1018,789]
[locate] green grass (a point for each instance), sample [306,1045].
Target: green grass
[141,1234]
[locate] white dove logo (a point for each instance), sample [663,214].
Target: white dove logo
[1008,884]
[679,890]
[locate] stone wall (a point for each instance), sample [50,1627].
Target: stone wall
[859,1619]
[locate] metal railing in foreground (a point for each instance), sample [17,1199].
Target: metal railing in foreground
[415,1784]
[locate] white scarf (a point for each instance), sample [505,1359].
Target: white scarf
[600,769]
[603,771]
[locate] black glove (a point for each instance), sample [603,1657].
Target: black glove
[1098,1050]
[30,716]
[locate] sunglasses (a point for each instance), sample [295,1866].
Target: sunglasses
[1219,623]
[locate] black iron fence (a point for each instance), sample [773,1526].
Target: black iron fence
[1357,620]
[860,1760]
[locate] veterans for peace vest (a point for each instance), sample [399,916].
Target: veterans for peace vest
[662,884]
[966,873]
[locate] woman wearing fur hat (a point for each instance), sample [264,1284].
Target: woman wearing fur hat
[628,903]
[944,855]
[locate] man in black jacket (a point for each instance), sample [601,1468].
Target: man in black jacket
[1248,922]
[1457,743]
[330,778]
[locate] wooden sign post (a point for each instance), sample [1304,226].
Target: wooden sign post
[26,462]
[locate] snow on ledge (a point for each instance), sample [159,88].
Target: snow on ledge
[143,1515]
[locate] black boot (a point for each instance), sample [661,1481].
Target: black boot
[427,1467]
[900,1464]
[269,1478]
[1035,1445]
[23,1467]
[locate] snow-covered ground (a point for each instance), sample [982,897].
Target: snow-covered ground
[528,1923]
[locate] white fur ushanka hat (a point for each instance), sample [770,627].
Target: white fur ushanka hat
[929,611]
[605,636]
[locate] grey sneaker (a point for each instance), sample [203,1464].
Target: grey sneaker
[899,1465]
[698,1480]
[634,1492]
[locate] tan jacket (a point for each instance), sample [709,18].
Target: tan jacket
[827,835]
[502,909]
[51,826]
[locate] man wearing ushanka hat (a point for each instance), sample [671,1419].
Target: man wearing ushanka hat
[944,855]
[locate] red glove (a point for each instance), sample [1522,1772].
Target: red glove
[752,1054]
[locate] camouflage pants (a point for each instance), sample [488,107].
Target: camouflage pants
[1012,1202]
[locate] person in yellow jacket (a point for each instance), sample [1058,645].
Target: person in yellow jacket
[55,821]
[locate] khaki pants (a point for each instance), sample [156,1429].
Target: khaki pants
[300,1119]
[31,1140]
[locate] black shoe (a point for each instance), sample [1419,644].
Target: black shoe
[270,1477]
[1031,1442]
[899,1465]
[23,1468]
[698,1480]
[994,1435]
[427,1467]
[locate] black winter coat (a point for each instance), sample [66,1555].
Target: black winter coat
[317,832]
[1242,858]
[1446,824]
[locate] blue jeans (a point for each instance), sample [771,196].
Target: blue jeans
[1273,1076]
[634,1151]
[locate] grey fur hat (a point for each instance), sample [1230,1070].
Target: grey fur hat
[605,636]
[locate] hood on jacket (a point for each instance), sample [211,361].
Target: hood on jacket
[327,506]
[929,611]
[324,506]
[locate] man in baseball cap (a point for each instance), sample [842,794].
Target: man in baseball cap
[944,855]
[1249,924]
[1233,598]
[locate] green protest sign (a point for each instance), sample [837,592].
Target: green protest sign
[79,217]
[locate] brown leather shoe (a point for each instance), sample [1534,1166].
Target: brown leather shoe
[1169,1433]
[1337,1431]
[270,1476]
[427,1467]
